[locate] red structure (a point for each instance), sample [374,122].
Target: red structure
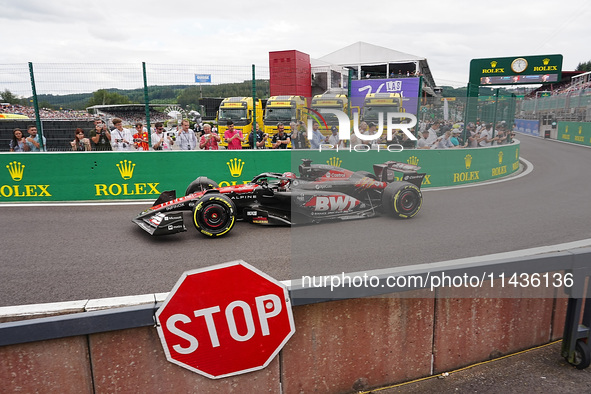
[290,73]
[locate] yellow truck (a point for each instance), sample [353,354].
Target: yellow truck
[329,101]
[376,103]
[284,109]
[239,110]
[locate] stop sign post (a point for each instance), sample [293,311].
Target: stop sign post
[225,320]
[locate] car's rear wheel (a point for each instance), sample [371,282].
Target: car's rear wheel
[200,184]
[214,215]
[402,199]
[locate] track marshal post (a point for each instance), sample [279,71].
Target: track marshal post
[225,320]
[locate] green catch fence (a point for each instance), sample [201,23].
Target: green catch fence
[59,98]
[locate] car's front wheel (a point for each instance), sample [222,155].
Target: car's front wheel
[214,215]
[402,199]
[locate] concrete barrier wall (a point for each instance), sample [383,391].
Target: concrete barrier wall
[338,347]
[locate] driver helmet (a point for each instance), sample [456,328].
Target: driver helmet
[286,182]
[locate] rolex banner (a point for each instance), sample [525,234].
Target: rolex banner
[575,132]
[129,175]
[144,175]
[443,167]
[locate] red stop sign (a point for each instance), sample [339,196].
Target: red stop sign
[225,320]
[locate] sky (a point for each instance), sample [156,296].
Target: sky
[228,33]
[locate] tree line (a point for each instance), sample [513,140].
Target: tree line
[584,66]
[183,95]
[187,96]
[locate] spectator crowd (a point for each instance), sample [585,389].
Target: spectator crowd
[44,113]
[117,134]
[445,135]
[128,117]
[564,89]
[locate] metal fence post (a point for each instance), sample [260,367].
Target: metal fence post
[254,110]
[147,104]
[36,106]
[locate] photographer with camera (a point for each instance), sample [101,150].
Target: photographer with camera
[161,141]
[281,139]
[209,140]
[472,136]
[121,139]
[100,136]
[298,135]
[486,136]
[511,135]
[80,144]
[261,138]
[233,137]
[140,138]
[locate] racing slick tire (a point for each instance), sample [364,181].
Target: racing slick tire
[402,199]
[214,215]
[201,184]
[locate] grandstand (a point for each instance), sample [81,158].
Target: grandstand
[131,113]
[44,113]
[567,100]
[568,78]
[582,81]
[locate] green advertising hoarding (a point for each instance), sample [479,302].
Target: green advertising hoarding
[443,167]
[124,175]
[575,132]
[144,175]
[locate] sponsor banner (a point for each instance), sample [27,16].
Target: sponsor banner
[144,175]
[575,132]
[516,70]
[531,127]
[445,167]
[121,176]
[202,78]
[408,88]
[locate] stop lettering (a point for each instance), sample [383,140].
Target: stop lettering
[225,320]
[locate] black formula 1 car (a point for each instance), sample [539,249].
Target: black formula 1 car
[321,192]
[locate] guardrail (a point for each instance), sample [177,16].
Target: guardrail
[576,261]
[333,323]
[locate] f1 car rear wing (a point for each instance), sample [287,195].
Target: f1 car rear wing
[387,172]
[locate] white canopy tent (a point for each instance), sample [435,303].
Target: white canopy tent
[364,58]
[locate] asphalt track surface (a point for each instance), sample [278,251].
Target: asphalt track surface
[63,253]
